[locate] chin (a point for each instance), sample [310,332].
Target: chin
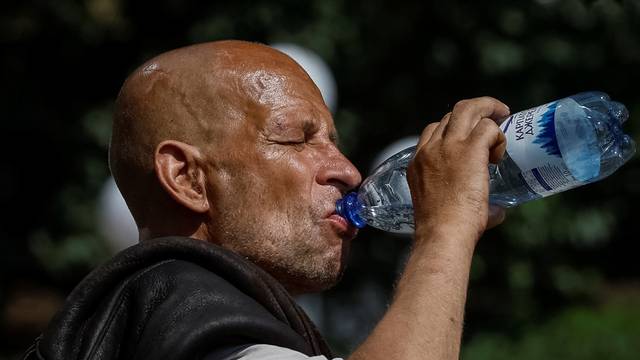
[311,287]
[316,281]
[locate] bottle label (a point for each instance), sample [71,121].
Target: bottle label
[533,146]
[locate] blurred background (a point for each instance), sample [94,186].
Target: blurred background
[559,279]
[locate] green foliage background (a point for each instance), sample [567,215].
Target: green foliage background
[558,280]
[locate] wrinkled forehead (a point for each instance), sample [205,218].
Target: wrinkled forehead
[266,87]
[272,86]
[231,82]
[285,94]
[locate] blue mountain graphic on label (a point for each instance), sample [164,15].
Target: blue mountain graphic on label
[546,137]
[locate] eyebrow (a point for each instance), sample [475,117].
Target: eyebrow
[309,125]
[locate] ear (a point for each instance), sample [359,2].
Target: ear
[179,170]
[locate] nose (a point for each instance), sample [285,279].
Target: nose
[338,171]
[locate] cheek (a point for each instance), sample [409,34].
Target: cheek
[273,184]
[290,173]
[297,175]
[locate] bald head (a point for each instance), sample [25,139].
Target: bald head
[193,95]
[231,142]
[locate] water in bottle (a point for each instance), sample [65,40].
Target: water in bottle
[550,148]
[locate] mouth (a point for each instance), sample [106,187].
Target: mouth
[343,227]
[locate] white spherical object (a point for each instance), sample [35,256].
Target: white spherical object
[317,69]
[394,148]
[115,221]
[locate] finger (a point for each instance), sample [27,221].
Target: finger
[467,113]
[426,135]
[442,127]
[496,216]
[488,135]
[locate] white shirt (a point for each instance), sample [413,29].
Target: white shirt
[261,352]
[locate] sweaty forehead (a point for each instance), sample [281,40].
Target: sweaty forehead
[284,96]
[272,86]
[266,87]
[220,83]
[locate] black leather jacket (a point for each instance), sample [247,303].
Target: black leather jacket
[175,298]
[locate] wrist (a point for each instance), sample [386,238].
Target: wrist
[467,222]
[450,237]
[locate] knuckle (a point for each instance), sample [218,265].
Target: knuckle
[461,105]
[428,131]
[429,128]
[487,99]
[488,123]
[487,127]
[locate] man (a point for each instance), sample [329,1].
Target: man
[226,155]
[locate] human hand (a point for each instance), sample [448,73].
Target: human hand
[449,177]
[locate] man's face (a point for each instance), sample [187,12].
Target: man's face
[275,180]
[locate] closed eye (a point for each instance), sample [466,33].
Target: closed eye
[297,145]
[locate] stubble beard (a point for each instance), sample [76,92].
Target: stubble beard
[291,247]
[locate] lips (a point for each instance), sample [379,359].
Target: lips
[342,225]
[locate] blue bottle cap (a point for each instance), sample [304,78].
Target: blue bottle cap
[348,208]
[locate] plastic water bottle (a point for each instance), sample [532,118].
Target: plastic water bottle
[550,148]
